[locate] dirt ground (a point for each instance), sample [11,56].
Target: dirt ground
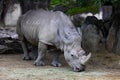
[101,66]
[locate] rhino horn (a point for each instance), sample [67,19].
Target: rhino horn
[84,59]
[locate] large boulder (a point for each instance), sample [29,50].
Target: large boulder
[91,40]
[12,15]
[93,36]
[78,19]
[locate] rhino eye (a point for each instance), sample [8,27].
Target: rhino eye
[72,55]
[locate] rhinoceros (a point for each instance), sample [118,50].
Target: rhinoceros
[42,28]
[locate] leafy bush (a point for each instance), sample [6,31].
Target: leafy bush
[60,2]
[77,10]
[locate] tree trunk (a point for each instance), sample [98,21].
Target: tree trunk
[33,4]
[1,8]
[113,40]
[5,7]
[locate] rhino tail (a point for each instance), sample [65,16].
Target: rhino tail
[18,28]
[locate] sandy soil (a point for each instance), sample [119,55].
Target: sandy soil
[101,66]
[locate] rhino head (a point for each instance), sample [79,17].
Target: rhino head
[75,55]
[70,42]
[76,58]
[73,52]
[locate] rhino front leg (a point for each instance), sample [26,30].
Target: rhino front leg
[41,53]
[55,61]
[25,50]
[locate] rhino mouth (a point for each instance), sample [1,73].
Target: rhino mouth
[79,65]
[76,69]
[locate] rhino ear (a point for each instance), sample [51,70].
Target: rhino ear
[79,31]
[65,35]
[68,34]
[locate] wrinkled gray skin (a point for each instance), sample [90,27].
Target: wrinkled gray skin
[44,28]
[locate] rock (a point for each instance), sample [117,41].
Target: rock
[77,19]
[12,15]
[3,49]
[9,40]
[8,32]
[91,40]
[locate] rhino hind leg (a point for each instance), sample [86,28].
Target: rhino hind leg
[35,52]
[41,53]
[55,61]
[25,50]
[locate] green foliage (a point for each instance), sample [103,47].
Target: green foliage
[80,5]
[77,10]
[60,2]
[115,1]
[80,2]
[84,3]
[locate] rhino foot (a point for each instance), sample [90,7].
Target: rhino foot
[34,58]
[41,63]
[56,63]
[26,58]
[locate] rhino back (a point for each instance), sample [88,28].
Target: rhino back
[38,25]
